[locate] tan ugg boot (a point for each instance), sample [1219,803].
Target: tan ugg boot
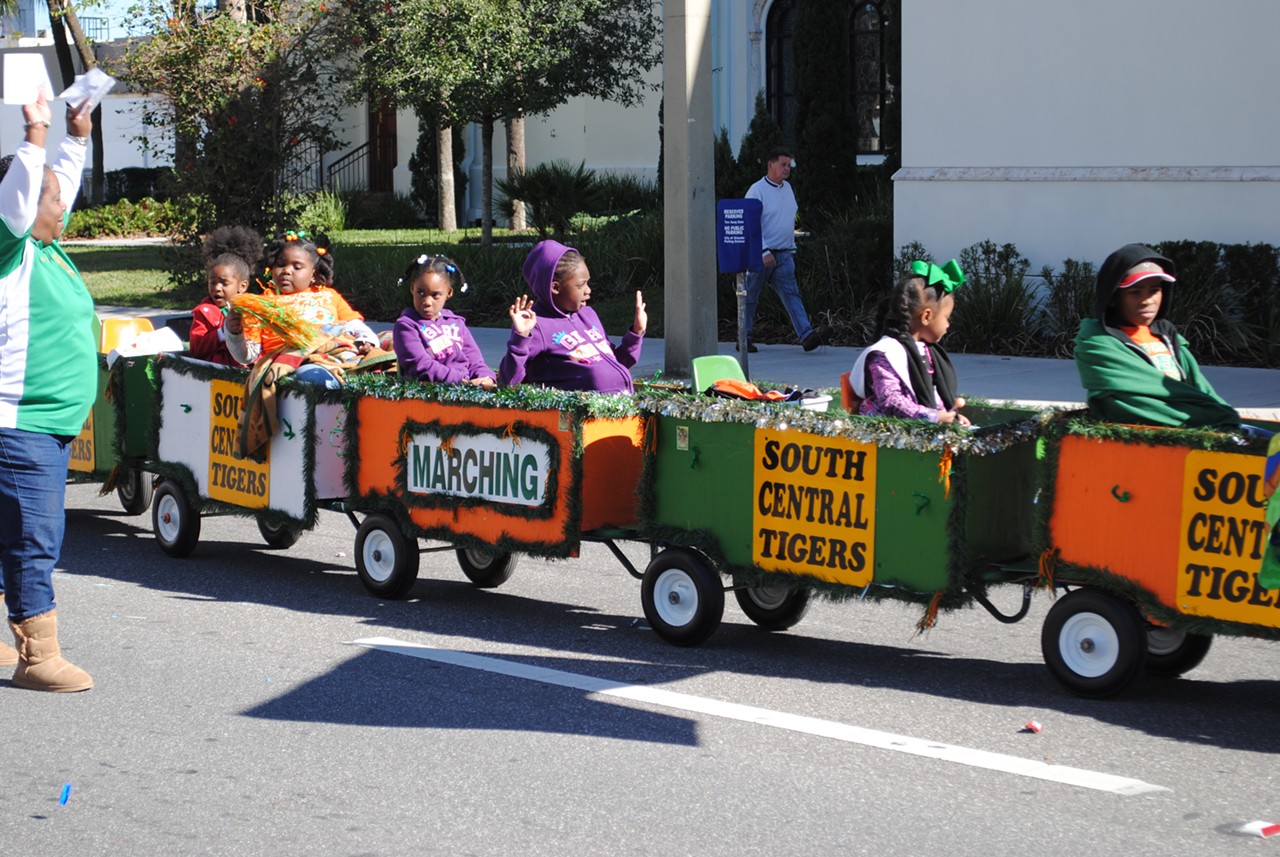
[8,655]
[41,665]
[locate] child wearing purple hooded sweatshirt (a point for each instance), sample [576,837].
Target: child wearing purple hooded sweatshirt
[432,343]
[556,339]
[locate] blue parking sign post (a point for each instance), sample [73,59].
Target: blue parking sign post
[738,250]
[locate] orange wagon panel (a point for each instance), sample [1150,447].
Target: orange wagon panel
[1095,524]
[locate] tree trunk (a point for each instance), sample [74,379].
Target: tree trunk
[486,180]
[66,68]
[515,163]
[60,13]
[446,207]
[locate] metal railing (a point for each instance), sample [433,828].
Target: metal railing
[351,172]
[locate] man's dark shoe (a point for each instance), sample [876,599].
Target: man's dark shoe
[751,347]
[817,336]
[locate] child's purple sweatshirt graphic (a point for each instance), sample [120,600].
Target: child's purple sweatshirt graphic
[440,350]
[568,351]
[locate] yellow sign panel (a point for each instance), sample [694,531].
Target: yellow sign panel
[82,449]
[1222,540]
[232,480]
[814,506]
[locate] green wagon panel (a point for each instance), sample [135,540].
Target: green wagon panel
[707,484]
[911,547]
[1001,515]
[139,405]
[104,426]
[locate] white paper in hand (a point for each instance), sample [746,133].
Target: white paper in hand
[25,76]
[89,87]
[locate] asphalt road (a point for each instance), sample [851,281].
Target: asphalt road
[232,715]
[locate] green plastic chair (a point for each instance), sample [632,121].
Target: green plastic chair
[712,367]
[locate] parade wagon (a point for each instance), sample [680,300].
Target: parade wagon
[197,409]
[1158,536]
[1153,536]
[788,503]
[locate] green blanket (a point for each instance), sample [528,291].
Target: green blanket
[1124,387]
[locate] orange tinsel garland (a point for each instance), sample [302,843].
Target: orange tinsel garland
[944,471]
[296,332]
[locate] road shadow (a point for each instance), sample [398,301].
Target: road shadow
[620,647]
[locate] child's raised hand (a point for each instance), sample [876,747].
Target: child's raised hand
[642,318]
[233,323]
[523,318]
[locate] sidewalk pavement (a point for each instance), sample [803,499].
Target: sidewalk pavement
[1033,381]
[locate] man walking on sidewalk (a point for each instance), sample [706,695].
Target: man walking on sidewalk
[778,238]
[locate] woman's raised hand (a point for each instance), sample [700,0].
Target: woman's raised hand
[79,119]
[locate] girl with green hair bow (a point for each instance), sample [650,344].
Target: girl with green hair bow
[906,373]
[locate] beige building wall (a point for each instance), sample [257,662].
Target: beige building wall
[1070,129]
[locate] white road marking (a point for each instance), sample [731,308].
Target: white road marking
[777,719]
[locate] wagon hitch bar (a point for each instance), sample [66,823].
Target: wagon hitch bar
[622,558]
[1008,619]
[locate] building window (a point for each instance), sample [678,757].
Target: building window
[780,65]
[868,86]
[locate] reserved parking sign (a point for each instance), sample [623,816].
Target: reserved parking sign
[738,235]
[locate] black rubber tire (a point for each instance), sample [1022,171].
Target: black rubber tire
[386,559]
[174,520]
[774,606]
[1094,643]
[1172,653]
[682,596]
[485,569]
[134,491]
[279,536]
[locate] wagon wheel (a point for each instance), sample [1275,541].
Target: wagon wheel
[1093,642]
[774,606]
[175,521]
[1171,653]
[134,490]
[386,559]
[277,534]
[486,569]
[682,597]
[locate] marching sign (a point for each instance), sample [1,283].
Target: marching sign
[479,466]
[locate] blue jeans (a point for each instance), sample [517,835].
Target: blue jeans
[782,277]
[33,487]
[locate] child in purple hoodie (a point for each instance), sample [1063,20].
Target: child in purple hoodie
[431,342]
[556,339]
